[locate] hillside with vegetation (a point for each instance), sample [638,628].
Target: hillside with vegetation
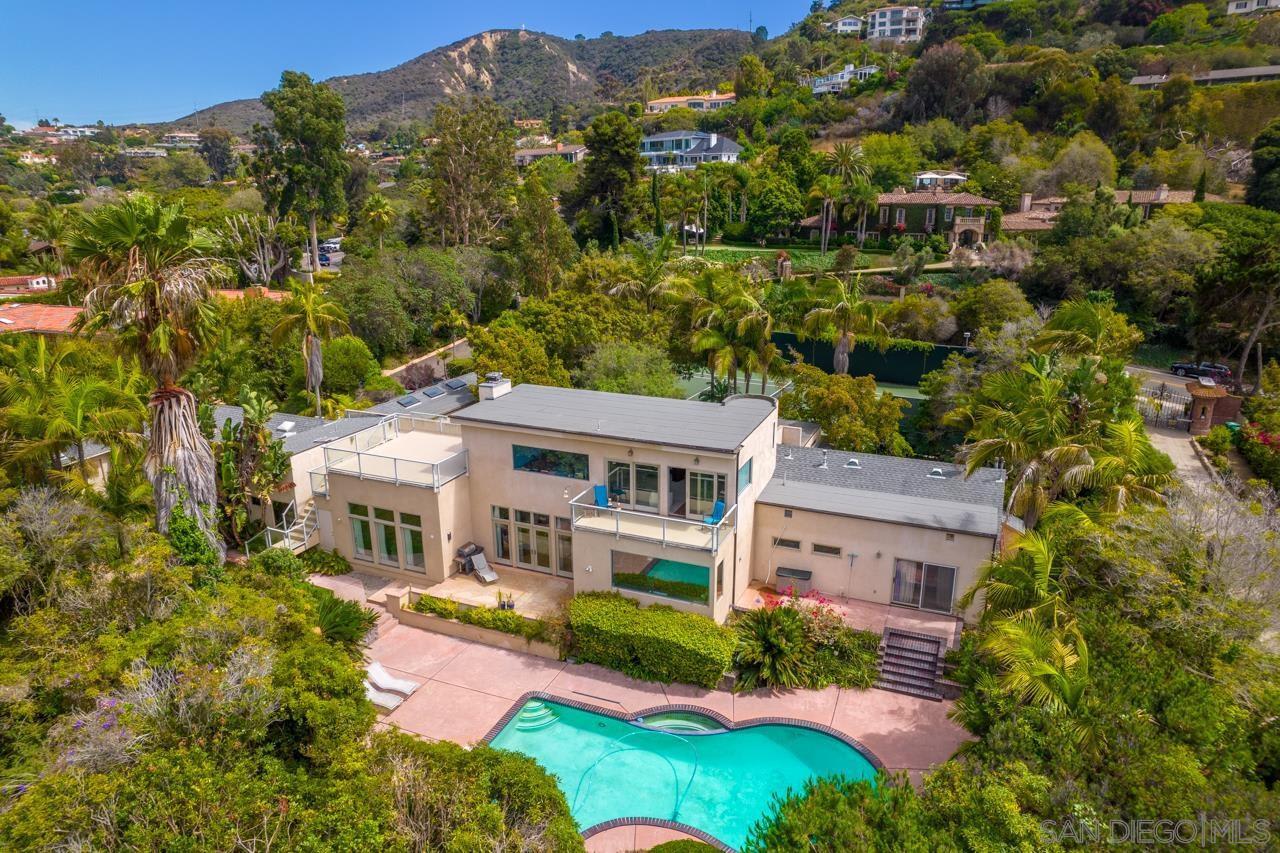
[527,72]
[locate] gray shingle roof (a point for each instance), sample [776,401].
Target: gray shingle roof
[888,488]
[626,417]
[437,399]
[293,437]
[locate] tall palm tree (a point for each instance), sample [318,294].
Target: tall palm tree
[686,200]
[862,200]
[379,214]
[53,224]
[150,269]
[1023,581]
[841,313]
[79,409]
[317,317]
[735,179]
[846,162]
[1127,468]
[827,189]
[650,270]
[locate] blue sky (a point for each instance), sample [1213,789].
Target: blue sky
[84,60]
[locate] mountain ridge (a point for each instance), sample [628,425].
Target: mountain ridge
[523,70]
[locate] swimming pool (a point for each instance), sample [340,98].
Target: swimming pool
[673,570]
[677,766]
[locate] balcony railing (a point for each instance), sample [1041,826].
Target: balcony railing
[666,530]
[352,456]
[970,222]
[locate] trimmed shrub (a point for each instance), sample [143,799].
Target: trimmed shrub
[506,621]
[278,563]
[322,562]
[442,607]
[1218,441]
[655,643]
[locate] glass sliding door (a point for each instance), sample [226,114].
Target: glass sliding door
[415,559]
[908,578]
[361,532]
[533,540]
[939,587]
[704,490]
[619,482]
[647,494]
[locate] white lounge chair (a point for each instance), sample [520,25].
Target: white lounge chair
[385,681]
[483,570]
[385,701]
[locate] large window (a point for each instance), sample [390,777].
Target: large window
[415,559]
[618,475]
[361,533]
[704,490]
[558,463]
[632,485]
[533,540]
[384,537]
[501,533]
[647,487]
[666,578]
[744,479]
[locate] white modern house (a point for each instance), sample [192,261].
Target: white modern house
[897,23]
[1252,7]
[699,103]
[849,25]
[946,179]
[839,81]
[677,150]
[691,504]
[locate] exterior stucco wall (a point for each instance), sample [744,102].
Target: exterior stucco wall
[869,575]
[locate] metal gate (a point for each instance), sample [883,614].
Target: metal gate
[1163,405]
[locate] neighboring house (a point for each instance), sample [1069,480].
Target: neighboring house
[685,149]
[1033,215]
[41,319]
[673,501]
[700,103]
[568,153]
[946,180]
[72,133]
[897,23]
[965,5]
[253,292]
[849,25]
[1221,77]
[963,218]
[180,139]
[839,81]
[144,152]
[33,158]
[1250,7]
[19,285]
[528,123]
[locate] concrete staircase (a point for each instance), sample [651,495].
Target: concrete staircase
[911,663]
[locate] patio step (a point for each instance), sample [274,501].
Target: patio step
[911,663]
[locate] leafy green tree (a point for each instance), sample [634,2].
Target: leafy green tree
[470,170]
[947,81]
[316,316]
[518,354]
[1264,185]
[776,205]
[893,159]
[543,245]
[1085,161]
[303,151]
[628,368]
[990,305]
[215,148]
[153,271]
[752,79]
[348,363]
[603,202]
[853,413]
[379,215]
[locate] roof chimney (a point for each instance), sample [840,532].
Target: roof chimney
[1025,204]
[1162,192]
[824,460]
[494,386]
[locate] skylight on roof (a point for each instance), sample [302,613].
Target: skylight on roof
[287,426]
[455,384]
[408,401]
[853,463]
[433,392]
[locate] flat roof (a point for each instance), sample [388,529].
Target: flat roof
[441,398]
[718,427]
[888,488]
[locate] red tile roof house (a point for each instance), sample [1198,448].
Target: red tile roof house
[17,285]
[41,319]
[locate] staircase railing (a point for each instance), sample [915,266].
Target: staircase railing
[295,535]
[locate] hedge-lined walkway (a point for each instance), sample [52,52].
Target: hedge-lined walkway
[467,687]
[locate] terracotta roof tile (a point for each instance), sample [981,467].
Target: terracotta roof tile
[962,199]
[28,317]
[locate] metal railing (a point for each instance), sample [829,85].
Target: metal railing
[352,456]
[633,524]
[294,536]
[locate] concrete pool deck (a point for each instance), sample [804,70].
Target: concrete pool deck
[467,688]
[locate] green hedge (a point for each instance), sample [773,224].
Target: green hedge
[685,590]
[655,643]
[506,621]
[322,562]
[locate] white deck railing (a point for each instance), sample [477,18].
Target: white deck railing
[634,524]
[351,456]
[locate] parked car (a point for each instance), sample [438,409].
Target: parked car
[1215,371]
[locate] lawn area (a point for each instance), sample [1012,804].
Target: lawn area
[801,259]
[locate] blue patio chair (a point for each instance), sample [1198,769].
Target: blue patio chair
[717,515]
[602,496]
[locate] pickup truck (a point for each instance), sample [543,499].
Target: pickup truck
[1213,370]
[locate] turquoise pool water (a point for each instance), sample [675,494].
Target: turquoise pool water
[721,781]
[673,570]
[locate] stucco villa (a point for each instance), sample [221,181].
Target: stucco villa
[688,503]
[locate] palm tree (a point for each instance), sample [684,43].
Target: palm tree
[53,224]
[735,179]
[78,410]
[125,495]
[721,306]
[1023,581]
[862,199]
[846,162]
[318,317]
[1127,468]
[650,271]
[379,214]
[151,270]
[828,189]
[842,313]
[686,200]
[1044,666]
[26,386]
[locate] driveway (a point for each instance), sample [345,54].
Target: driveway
[1177,444]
